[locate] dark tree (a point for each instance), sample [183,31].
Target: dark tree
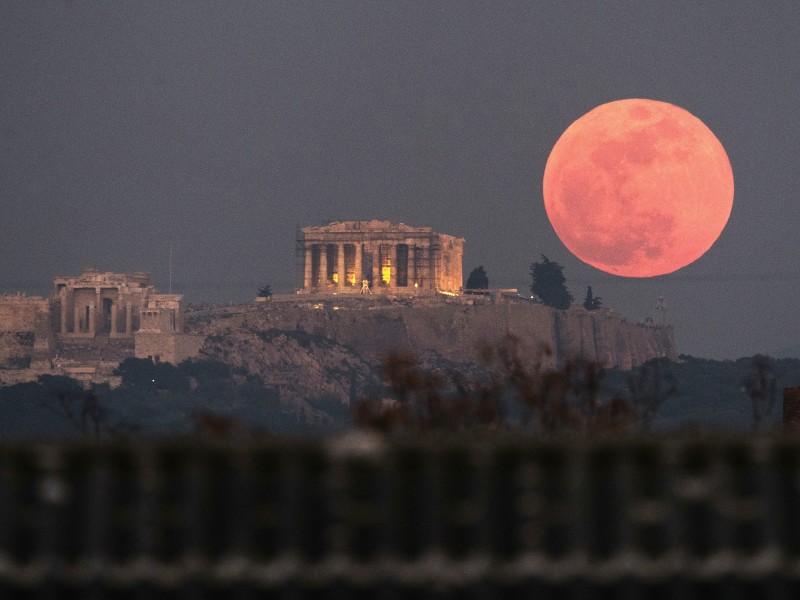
[549,284]
[761,386]
[592,302]
[145,374]
[264,292]
[84,409]
[205,370]
[478,280]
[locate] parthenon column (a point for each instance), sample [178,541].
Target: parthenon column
[376,265]
[323,265]
[411,278]
[434,267]
[358,267]
[427,270]
[393,265]
[340,270]
[307,272]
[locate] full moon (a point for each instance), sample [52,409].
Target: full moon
[638,188]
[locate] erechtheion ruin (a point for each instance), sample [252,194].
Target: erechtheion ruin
[96,303]
[123,306]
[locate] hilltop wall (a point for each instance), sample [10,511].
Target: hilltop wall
[458,330]
[609,339]
[18,322]
[16,349]
[18,312]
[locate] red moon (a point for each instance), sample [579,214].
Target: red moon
[638,188]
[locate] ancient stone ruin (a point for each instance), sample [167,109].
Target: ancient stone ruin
[94,304]
[116,305]
[380,257]
[371,287]
[92,322]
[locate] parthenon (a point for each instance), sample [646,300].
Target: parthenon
[381,257]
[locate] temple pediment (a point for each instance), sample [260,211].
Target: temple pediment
[374,226]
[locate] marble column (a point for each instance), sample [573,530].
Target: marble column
[323,265]
[434,267]
[92,319]
[376,265]
[113,319]
[393,265]
[426,272]
[128,318]
[77,324]
[97,322]
[358,267]
[63,294]
[411,266]
[307,274]
[340,270]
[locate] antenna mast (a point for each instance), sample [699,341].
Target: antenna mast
[170,267]
[660,312]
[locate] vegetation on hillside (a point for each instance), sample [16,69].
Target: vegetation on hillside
[549,285]
[504,394]
[197,396]
[511,395]
[579,397]
[477,279]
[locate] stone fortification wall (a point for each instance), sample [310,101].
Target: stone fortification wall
[456,330]
[19,315]
[167,347]
[15,349]
[18,312]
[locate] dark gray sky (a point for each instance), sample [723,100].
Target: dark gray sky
[221,126]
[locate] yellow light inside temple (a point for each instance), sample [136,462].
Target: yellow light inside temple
[386,275]
[335,278]
[351,278]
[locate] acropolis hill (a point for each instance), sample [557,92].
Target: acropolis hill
[416,265]
[330,347]
[450,328]
[369,288]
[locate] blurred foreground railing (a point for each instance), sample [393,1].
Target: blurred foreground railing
[358,516]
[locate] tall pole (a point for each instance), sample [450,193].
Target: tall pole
[170,267]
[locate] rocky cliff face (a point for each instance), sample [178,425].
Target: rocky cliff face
[334,348]
[457,330]
[608,339]
[310,372]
